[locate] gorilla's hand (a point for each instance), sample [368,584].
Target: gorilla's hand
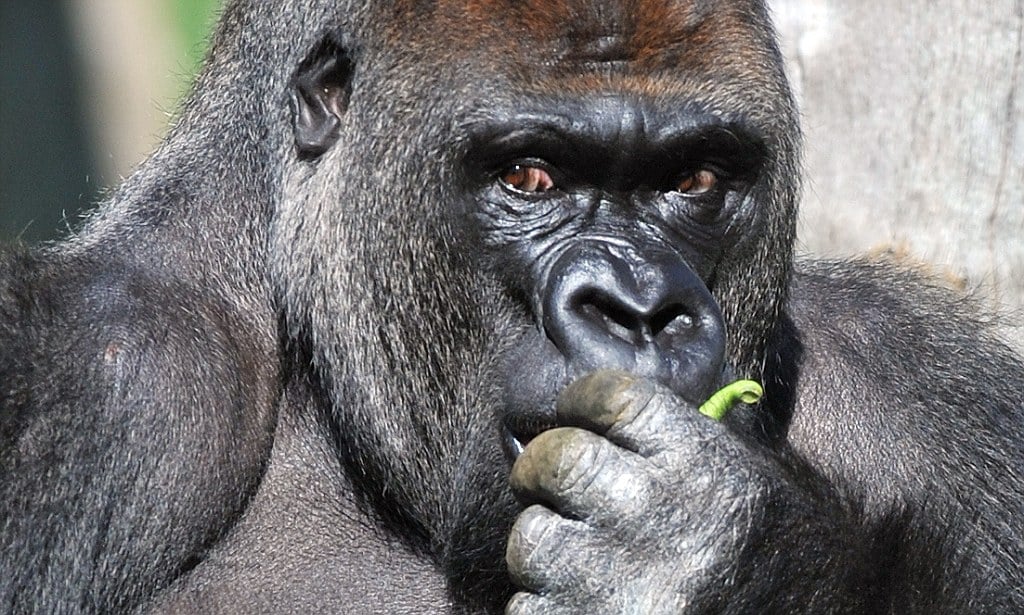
[643,505]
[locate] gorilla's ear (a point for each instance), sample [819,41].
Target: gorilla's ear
[321,88]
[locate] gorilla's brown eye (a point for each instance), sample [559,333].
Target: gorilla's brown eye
[697,183]
[525,178]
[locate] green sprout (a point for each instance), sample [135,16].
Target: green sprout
[746,391]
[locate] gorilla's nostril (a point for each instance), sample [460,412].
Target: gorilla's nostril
[615,319]
[606,307]
[630,324]
[674,319]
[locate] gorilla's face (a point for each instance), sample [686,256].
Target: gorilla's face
[489,199]
[605,220]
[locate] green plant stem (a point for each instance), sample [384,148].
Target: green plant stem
[746,391]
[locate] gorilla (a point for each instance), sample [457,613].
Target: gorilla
[414,310]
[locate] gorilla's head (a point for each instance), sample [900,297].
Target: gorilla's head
[482,200]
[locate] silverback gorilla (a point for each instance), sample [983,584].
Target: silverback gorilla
[413,310]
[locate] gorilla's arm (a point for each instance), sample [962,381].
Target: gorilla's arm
[908,402]
[135,416]
[880,490]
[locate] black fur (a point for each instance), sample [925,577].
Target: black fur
[272,372]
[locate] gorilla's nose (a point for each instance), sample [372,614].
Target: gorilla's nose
[615,307]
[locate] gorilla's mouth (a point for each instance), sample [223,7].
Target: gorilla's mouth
[514,445]
[514,438]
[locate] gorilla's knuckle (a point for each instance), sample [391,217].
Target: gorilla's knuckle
[530,528]
[647,406]
[537,545]
[583,458]
[561,461]
[524,603]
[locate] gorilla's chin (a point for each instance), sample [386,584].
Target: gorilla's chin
[480,514]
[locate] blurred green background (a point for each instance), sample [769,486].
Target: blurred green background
[87,88]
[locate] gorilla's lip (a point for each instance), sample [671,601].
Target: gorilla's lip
[534,374]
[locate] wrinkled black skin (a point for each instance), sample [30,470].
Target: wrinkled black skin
[276,370]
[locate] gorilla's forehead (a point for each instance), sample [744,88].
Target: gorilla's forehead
[645,34]
[718,55]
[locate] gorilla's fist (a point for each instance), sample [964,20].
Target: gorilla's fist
[640,504]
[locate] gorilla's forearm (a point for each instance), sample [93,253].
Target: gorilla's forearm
[908,403]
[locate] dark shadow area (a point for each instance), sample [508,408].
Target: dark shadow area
[47,172]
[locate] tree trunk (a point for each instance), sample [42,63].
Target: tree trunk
[914,120]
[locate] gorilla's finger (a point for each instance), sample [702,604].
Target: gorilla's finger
[583,475]
[541,547]
[524,603]
[633,412]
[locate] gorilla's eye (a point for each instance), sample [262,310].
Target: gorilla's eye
[701,181]
[528,179]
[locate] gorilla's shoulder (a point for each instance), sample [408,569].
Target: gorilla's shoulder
[875,292]
[101,334]
[878,313]
[67,296]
